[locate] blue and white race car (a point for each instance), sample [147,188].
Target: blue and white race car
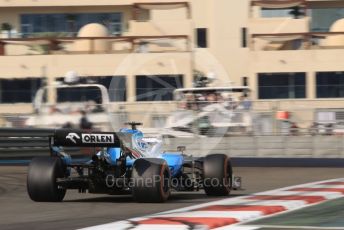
[127,163]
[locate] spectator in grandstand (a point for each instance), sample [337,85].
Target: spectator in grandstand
[230,104]
[211,98]
[201,101]
[329,129]
[313,129]
[294,129]
[84,122]
[67,125]
[190,101]
[219,98]
[244,103]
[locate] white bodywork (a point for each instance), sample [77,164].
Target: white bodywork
[57,114]
[222,118]
[220,114]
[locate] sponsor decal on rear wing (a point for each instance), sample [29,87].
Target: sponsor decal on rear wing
[78,138]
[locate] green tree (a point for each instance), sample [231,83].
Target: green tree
[6,27]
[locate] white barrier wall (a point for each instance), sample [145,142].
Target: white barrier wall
[264,146]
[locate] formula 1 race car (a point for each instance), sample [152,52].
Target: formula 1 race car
[127,163]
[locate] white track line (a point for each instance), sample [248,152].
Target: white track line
[326,195]
[325,186]
[241,215]
[229,227]
[293,227]
[164,227]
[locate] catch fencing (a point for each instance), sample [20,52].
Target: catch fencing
[264,116]
[316,132]
[27,143]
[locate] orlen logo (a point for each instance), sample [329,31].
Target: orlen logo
[73,137]
[97,138]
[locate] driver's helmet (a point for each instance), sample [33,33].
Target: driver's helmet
[137,138]
[136,133]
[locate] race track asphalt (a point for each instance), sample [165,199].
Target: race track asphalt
[17,211]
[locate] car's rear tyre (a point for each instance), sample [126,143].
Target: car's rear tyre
[41,179]
[151,180]
[217,175]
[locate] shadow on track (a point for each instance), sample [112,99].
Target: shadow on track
[175,197]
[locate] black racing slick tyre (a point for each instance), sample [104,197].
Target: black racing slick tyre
[151,180]
[217,175]
[41,179]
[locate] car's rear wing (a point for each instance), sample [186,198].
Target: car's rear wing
[79,138]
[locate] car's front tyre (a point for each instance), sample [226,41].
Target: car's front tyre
[217,175]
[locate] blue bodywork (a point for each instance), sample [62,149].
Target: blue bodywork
[115,153]
[174,160]
[112,155]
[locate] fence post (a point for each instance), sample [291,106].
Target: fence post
[256,145]
[91,45]
[2,48]
[342,150]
